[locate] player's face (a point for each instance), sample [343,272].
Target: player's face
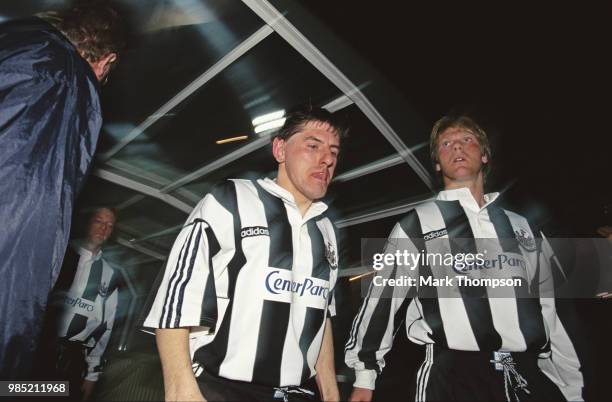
[310,158]
[101,227]
[459,154]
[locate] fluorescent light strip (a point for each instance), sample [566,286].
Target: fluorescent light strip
[360,276]
[231,139]
[269,125]
[268,117]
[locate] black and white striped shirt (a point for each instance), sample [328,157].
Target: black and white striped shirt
[86,308]
[254,280]
[511,323]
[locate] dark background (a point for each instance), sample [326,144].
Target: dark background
[536,76]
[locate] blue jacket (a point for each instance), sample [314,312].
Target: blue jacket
[50,119]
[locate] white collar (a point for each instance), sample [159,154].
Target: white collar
[271,186]
[465,197]
[83,252]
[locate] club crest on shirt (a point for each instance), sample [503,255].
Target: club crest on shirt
[103,290]
[330,254]
[525,240]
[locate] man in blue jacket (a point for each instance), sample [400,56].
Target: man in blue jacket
[50,119]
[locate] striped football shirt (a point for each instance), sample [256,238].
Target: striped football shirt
[451,317]
[254,280]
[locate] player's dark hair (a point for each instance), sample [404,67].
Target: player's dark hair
[297,118]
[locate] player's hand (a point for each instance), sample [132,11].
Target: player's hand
[361,395]
[186,395]
[331,396]
[605,231]
[87,388]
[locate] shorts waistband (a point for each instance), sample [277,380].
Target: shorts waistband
[483,356]
[260,387]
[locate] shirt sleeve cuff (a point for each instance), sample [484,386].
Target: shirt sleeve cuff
[572,393]
[365,379]
[92,376]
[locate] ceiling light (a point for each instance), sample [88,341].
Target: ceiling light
[268,117]
[231,139]
[361,276]
[269,125]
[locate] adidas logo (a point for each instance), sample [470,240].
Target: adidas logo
[435,234]
[254,231]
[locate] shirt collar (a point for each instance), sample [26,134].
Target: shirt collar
[316,208]
[465,197]
[83,252]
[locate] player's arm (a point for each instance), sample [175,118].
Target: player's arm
[326,371]
[94,357]
[372,334]
[179,381]
[563,366]
[182,301]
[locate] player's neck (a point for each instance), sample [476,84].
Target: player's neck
[475,185]
[91,247]
[301,201]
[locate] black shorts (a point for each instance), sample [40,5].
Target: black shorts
[215,389]
[451,375]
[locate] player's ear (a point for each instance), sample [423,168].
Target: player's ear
[278,149]
[438,167]
[485,159]
[102,66]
